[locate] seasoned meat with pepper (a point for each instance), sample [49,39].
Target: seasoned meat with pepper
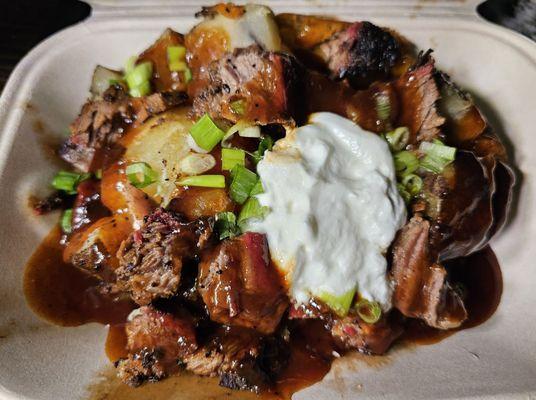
[240,287]
[101,122]
[151,259]
[361,52]
[242,359]
[421,289]
[249,84]
[156,341]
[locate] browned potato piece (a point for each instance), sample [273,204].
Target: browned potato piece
[201,202]
[163,79]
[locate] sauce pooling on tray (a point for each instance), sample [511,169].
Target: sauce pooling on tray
[181,231]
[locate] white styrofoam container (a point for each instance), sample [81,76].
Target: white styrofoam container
[41,361]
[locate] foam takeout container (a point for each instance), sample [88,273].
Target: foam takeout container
[46,90]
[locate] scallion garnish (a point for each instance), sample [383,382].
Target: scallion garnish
[257,189]
[98,174]
[68,181]
[212,181]
[187,75]
[251,210]
[369,311]
[406,196]
[140,74]
[232,157]
[206,133]
[266,144]
[238,106]
[176,53]
[398,138]
[413,184]
[226,225]
[66,220]
[383,106]
[141,174]
[405,163]
[436,156]
[339,304]
[243,181]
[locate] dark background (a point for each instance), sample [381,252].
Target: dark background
[24,23]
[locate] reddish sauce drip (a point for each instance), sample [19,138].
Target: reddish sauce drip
[65,296]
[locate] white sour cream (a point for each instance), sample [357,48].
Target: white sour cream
[335,209]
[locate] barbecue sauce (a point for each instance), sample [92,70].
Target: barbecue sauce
[63,295]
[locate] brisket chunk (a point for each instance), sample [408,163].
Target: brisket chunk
[360,52]
[242,358]
[156,340]
[151,259]
[101,122]
[263,82]
[421,289]
[240,287]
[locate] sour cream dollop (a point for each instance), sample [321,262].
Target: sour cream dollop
[334,209]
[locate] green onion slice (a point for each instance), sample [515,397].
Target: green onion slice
[266,144]
[226,225]
[98,174]
[140,74]
[339,304]
[383,106]
[238,106]
[176,53]
[436,156]
[142,90]
[243,181]
[68,181]
[206,133]
[66,221]
[257,189]
[141,174]
[212,181]
[232,157]
[405,163]
[178,66]
[369,311]
[251,210]
[413,184]
[403,193]
[130,64]
[398,139]
[187,75]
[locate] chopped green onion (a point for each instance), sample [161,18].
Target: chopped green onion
[206,133]
[369,311]
[413,184]
[266,144]
[212,181]
[68,181]
[98,174]
[232,157]
[142,90]
[187,75]
[243,181]
[403,193]
[383,106]
[178,66]
[251,210]
[226,225]
[339,304]
[257,189]
[244,129]
[398,139]
[436,156]
[66,221]
[130,64]
[140,74]
[175,53]
[141,174]
[238,106]
[405,163]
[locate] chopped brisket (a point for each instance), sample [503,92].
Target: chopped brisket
[151,259]
[101,122]
[265,82]
[420,286]
[361,52]
[156,341]
[55,201]
[242,359]
[418,94]
[239,285]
